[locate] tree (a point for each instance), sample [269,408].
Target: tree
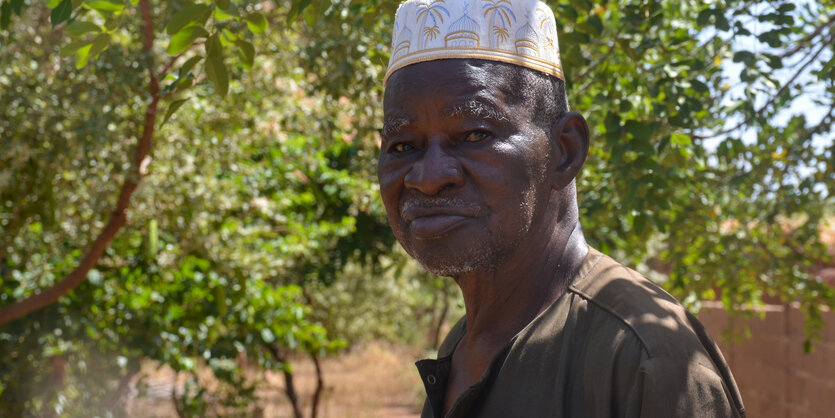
[257,199]
[180,282]
[93,27]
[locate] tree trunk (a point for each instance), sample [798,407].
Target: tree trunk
[289,386]
[118,400]
[181,410]
[320,383]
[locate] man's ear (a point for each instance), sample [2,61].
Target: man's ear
[570,139]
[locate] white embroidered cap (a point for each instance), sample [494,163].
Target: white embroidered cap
[521,32]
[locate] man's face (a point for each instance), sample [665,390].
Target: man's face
[462,166]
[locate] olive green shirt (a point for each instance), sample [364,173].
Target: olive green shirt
[614,345]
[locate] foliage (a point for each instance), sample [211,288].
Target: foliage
[257,226]
[195,276]
[727,167]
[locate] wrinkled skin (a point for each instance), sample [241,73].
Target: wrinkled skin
[460,180]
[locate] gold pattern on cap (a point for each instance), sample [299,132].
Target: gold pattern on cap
[520,32]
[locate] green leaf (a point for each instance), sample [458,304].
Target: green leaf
[740,30]
[774,61]
[256,22]
[246,52]
[227,37]
[189,64]
[153,233]
[576,37]
[5,15]
[82,55]
[173,107]
[61,12]
[641,131]
[311,16]
[681,139]
[703,18]
[722,22]
[744,57]
[106,6]
[771,37]
[111,24]
[596,23]
[612,122]
[185,82]
[79,27]
[192,13]
[297,8]
[222,4]
[215,69]
[17,6]
[73,47]
[786,7]
[222,15]
[183,39]
[99,44]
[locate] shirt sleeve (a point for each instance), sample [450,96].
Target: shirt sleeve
[667,387]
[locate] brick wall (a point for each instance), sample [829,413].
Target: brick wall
[774,375]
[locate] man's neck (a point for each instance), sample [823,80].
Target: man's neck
[500,303]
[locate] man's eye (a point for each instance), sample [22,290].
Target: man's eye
[476,136]
[402,147]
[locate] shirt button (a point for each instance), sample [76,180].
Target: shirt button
[431,379]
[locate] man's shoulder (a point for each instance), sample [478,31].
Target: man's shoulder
[658,320]
[679,355]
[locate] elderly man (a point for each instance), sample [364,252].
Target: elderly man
[477,172]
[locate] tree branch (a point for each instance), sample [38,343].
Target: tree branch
[170,64]
[808,38]
[773,98]
[118,218]
[173,60]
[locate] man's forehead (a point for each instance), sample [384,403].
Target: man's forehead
[475,106]
[457,71]
[455,80]
[455,88]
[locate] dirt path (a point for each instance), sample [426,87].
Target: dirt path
[375,380]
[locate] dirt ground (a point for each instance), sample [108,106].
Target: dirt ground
[374,380]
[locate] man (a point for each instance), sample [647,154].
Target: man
[477,172]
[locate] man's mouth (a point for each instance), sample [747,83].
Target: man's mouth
[435,221]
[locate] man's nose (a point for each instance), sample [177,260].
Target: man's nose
[434,171]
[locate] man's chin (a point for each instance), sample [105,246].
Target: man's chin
[447,270]
[453,265]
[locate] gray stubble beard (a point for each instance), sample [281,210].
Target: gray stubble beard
[486,255]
